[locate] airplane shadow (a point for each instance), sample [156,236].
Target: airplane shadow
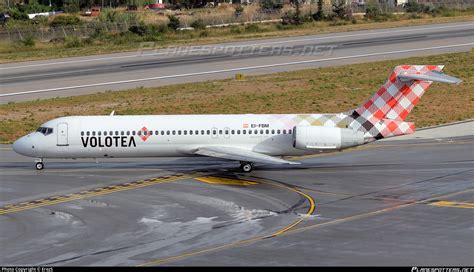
[182,165]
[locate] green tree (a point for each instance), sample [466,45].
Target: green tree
[267,5]
[339,8]
[319,15]
[372,12]
[174,22]
[71,5]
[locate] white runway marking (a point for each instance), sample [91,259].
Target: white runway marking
[233,70]
[242,45]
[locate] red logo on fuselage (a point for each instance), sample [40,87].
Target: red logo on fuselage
[144,134]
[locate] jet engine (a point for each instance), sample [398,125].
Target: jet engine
[321,137]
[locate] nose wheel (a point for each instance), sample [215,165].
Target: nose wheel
[246,167]
[39,165]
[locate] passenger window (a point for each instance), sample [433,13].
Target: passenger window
[244,131]
[202,132]
[174,132]
[226,132]
[99,133]
[82,133]
[284,131]
[162,132]
[290,131]
[105,133]
[179,132]
[116,133]
[278,131]
[250,131]
[111,133]
[220,131]
[139,133]
[190,132]
[93,133]
[88,133]
[156,132]
[233,132]
[167,132]
[273,131]
[267,131]
[185,132]
[122,132]
[238,131]
[128,132]
[255,132]
[214,132]
[197,132]
[261,131]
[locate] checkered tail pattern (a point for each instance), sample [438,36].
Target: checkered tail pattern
[384,113]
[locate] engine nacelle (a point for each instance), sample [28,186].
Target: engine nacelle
[320,137]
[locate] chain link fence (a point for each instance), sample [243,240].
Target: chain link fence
[46,33]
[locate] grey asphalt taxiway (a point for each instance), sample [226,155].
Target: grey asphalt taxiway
[83,75]
[405,202]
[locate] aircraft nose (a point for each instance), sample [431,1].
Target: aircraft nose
[25,146]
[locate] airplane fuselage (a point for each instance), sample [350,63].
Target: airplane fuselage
[166,135]
[246,138]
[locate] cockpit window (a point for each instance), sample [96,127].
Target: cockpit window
[45,130]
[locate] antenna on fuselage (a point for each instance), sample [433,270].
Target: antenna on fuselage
[112,113]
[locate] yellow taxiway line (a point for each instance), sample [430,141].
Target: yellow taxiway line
[451,204]
[310,210]
[91,193]
[297,230]
[226,181]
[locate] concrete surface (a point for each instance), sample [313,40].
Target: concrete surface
[404,202]
[83,75]
[456,129]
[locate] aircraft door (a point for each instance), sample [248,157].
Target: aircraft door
[62,134]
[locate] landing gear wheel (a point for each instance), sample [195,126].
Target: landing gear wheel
[39,166]
[246,167]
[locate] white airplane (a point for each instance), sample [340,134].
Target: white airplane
[247,138]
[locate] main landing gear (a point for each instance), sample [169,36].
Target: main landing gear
[246,167]
[39,165]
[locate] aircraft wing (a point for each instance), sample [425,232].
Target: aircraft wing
[239,154]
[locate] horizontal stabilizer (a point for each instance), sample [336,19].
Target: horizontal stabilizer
[239,154]
[428,76]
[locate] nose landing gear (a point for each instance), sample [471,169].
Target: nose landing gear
[39,165]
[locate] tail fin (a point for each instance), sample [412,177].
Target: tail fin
[384,113]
